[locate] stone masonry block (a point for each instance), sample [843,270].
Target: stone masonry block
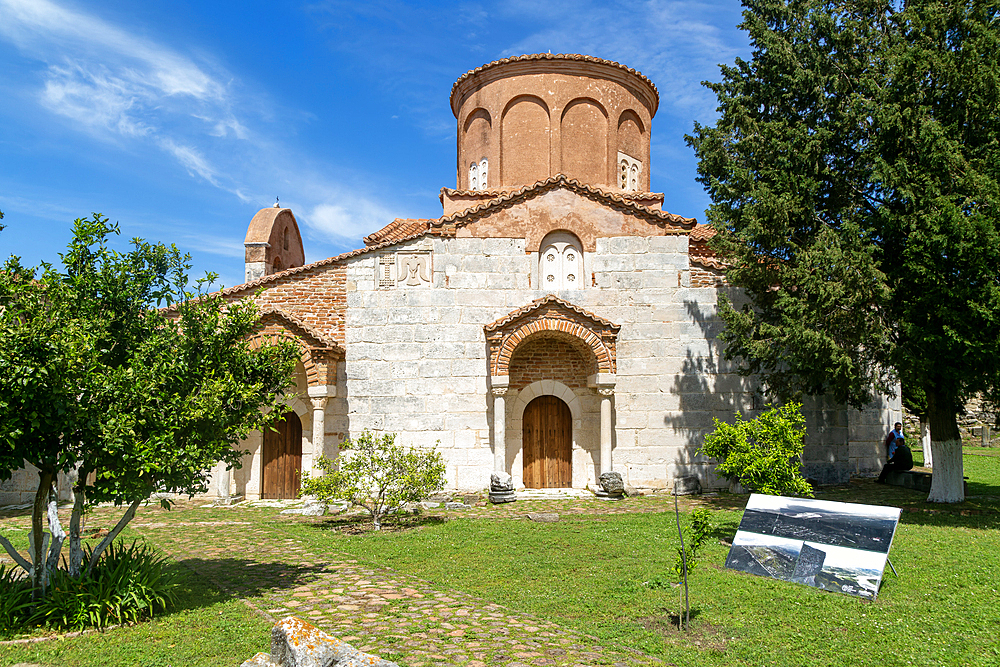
[677,244]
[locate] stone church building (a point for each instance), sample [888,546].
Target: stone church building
[554,323]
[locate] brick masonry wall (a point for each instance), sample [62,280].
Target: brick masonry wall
[549,358]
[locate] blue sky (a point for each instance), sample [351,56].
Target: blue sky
[179,120]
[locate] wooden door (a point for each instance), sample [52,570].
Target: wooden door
[282,458]
[547,444]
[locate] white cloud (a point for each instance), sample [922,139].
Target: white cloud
[192,160]
[347,217]
[37,24]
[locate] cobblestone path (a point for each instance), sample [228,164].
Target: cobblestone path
[399,617]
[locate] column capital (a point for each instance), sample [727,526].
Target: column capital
[500,392]
[606,390]
[322,391]
[318,402]
[601,380]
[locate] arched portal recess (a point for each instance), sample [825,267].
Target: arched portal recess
[282,458]
[547,441]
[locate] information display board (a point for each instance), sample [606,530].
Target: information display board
[840,547]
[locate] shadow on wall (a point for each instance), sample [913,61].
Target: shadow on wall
[707,386]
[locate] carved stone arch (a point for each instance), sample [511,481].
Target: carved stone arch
[556,316]
[546,388]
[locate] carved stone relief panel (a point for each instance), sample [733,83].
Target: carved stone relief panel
[411,268]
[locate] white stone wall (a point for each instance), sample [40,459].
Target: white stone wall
[23,485]
[417,357]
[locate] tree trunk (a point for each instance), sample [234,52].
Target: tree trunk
[79,499]
[128,516]
[925,442]
[58,536]
[947,483]
[35,538]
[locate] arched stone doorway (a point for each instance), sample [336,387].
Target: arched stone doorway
[282,458]
[547,442]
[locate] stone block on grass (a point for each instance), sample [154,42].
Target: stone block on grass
[295,643]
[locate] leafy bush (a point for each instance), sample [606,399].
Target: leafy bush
[15,598]
[763,453]
[128,584]
[701,526]
[375,473]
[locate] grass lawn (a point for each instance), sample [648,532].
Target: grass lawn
[589,572]
[205,629]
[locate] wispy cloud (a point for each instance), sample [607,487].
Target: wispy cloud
[676,43]
[134,91]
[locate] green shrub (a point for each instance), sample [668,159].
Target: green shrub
[701,526]
[15,598]
[128,584]
[763,453]
[375,473]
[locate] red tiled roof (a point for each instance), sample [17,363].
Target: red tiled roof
[617,200]
[709,263]
[702,233]
[397,230]
[545,300]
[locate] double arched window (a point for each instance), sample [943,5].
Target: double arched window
[628,173]
[560,262]
[478,175]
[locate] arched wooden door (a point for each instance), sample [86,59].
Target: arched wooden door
[547,444]
[282,458]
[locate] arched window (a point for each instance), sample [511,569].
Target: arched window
[628,172]
[285,242]
[474,176]
[482,175]
[560,262]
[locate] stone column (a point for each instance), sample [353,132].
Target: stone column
[225,477]
[604,384]
[319,396]
[318,428]
[499,429]
[606,393]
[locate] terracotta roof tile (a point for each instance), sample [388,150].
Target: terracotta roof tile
[702,233]
[399,228]
[709,263]
[556,56]
[661,218]
[545,300]
[264,280]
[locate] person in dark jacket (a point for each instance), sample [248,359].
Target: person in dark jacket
[900,456]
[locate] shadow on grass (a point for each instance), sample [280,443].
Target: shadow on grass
[239,578]
[357,525]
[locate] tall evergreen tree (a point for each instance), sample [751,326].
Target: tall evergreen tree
[854,179]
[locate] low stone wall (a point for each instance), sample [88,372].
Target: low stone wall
[295,643]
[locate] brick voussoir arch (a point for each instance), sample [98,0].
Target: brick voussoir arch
[318,355]
[551,315]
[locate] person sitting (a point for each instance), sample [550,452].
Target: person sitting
[900,456]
